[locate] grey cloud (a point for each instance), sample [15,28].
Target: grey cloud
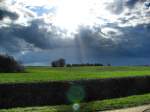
[2,0]
[9,42]
[92,37]
[133,42]
[89,44]
[132,12]
[93,43]
[131,3]
[5,13]
[116,6]
[147,4]
[40,37]
[35,36]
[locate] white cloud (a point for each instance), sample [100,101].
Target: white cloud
[135,16]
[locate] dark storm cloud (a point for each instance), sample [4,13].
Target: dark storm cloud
[32,34]
[41,37]
[89,45]
[5,13]
[18,37]
[133,42]
[118,6]
[147,4]
[92,37]
[131,3]
[9,42]
[92,42]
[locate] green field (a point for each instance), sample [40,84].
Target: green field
[41,74]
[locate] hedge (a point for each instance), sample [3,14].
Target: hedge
[66,92]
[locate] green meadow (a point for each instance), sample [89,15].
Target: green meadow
[44,74]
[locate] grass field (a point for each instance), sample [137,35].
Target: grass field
[41,74]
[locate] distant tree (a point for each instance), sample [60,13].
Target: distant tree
[108,64]
[86,64]
[69,65]
[99,65]
[54,64]
[9,64]
[58,63]
[61,62]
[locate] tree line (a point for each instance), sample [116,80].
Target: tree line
[9,64]
[62,63]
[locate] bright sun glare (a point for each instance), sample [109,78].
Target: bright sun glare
[72,13]
[69,14]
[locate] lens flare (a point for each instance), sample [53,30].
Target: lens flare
[76,106]
[76,94]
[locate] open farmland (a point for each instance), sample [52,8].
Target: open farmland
[44,74]
[49,74]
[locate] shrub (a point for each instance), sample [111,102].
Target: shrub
[66,92]
[9,64]
[59,63]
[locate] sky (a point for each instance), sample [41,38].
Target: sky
[37,32]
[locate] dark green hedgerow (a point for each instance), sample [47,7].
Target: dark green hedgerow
[94,106]
[67,92]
